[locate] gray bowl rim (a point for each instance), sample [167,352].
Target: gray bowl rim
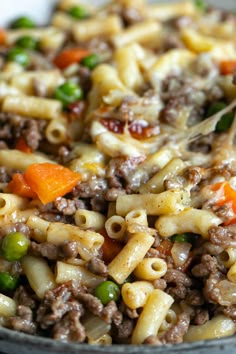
[49,345]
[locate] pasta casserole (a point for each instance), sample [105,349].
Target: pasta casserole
[118,173]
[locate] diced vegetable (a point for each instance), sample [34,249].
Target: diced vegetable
[78,12]
[19,186]
[22,146]
[68,93]
[107,291]
[186,237]
[2,36]
[23,22]
[226,120]
[8,282]
[14,246]
[50,181]
[226,195]
[200,5]
[215,107]
[227,67]
[27,42]
[90,61]
[110,248]
[70,56]
[19,56]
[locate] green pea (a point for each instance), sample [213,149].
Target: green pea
[23,22]
[19,56]
[90,61]
[226,120]
[200,5]
[78,12]
[185,237]
[107,291]
[27,42]
[8,282]
[68,92]
[14,246]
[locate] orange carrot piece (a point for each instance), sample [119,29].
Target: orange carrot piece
[2,36]
[110,248]
[227,67]
[227,195]
[22,146]
[50,181]
[70,56]
[19,186]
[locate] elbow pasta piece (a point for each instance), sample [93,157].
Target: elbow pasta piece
[152,316]
[199,43]
[42,34]
[88,219]
[173,61]
[130,256]
[128,67]
[164,12]
[167,202]
[155,184]
[228,257]
[141,33]
[39,275]
[106,79]
[58,233]
[20,160]
[218,327]
[136,294]
[61,20]
[87,29]
[115,227]
[7,306]
[10,202]
[9,70]
[151,269]
[231,275]
[7,90]
[24,82]
[226,83]
[66,272]
[190,220]
[29,106]
[137,216]
[56,131]
[39,227]
[169,321]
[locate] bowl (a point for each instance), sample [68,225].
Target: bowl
[12,342]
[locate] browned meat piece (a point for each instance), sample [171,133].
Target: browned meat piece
[23,321]
[222,236]
[23,297]
[14,227]
[44,249]
[69,328]
[92,303]
[125,329]
[55,305]
[111,314]
[201,317]
[208,265]
[69,249]
[97,266]
[175,333]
